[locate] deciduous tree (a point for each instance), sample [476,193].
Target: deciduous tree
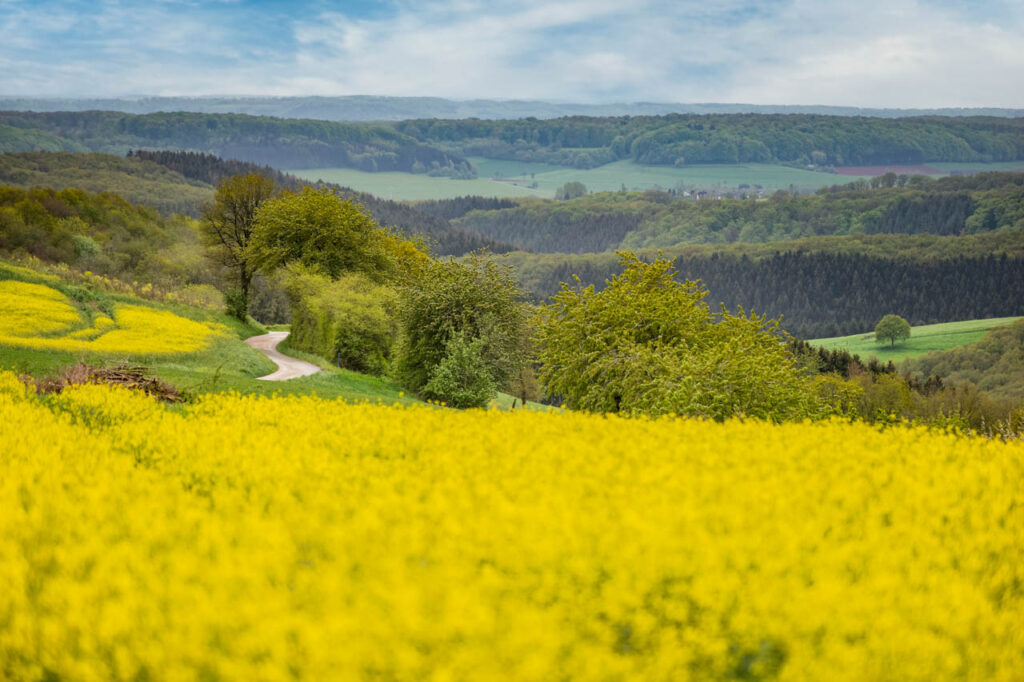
[462,316]
[316,228]
[648,344]
[227,228]
[892,327]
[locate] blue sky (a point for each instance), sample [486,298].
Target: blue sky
[891,53]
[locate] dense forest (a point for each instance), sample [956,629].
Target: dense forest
[102,233]
[682,139]
[439,147]
[995,364]
[821,294]
[136,179]
[282,143]
[450,209]
[887,205]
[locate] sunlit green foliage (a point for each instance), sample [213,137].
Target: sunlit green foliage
[476,300]
[995,364]
[137,180]
[462,378]
[227,227]
[892,328]
[103,233]
[348,320]
[648,344]
[317,229]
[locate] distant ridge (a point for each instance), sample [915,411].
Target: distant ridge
[381,108]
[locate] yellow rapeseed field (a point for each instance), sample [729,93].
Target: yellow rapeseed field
[27,310]
[41,318]
[249,538]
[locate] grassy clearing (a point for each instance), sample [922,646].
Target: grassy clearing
[611,177]
[412,187]
[516,179]
[923,339]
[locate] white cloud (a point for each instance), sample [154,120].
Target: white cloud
[906,53]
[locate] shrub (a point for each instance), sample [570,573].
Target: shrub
[476,299]
[346,320]
[462,378]
[647,344]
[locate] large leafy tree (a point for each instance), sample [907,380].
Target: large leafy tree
[458,320]
[227,227]
[892,328]
[318,229]
[648,344]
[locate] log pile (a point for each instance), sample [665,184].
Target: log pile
[126,376]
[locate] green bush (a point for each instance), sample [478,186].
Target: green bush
[648,344]
[462,378]
[476,299]
[346,320]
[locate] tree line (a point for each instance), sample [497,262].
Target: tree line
[682,139]
[440,147]
[820,295]
[104,234]
[426,220]
[608,220]
[282,143]
[137,180]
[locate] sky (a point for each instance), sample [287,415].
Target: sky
[869,53]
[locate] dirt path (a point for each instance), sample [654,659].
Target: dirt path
[287,367]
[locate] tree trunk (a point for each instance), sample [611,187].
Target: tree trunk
[244,285]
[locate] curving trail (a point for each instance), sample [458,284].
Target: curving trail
[287,367]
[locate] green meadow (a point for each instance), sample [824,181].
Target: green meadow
[498,178]
[516,179]
[923,339]
[613,176]
[413,187]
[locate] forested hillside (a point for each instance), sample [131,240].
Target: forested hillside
[995,364]
[137,180]
[444,238]
[887,205]
[439,146]
[179,182]
[282,143]
[102,233]
[679,139]
[822,294]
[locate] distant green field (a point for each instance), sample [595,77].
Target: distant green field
[516,178]
[497,168]
[633,176]
[923,339]
[411,187]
